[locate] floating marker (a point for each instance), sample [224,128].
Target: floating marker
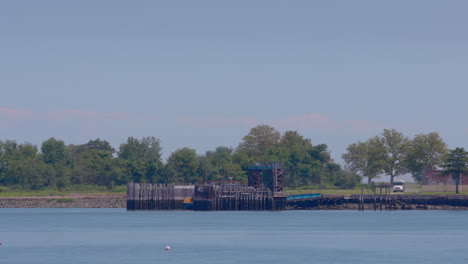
[167,248]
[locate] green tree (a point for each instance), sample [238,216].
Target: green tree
[292,139]
[25,172]
[21,165]
[148,148]
[456,164]
[54,151]
[93,168]
[426,152]
[143,158]
[97,144]
[259,139]
[346,179]
[218,165]
[182,166]
[366,158]
[396,147]
[322,160]
[8,151]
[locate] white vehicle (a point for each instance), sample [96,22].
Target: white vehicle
[398,186]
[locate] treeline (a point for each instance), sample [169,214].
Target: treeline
[394,154]
[57,165]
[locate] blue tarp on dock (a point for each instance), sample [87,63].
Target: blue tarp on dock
[304,196]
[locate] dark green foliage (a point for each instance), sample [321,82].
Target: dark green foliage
[259,140]
[367,158]
[426,152]
[394,154]
[182,167]
[304,163]
[97,144]
[59,166]
[147,149]
[54,151]
[396,147]
[456,164]
[219,165]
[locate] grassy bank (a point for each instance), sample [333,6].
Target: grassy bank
[77,189]
[411,188]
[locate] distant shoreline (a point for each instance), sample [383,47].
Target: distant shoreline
[120,201]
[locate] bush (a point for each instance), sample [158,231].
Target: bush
[4,189]
[121,188]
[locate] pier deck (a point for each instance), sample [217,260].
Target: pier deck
[234,197]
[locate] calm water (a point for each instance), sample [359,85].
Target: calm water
[116,236]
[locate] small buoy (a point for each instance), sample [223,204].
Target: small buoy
[167,248]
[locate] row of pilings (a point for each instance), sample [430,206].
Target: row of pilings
[235,198]
[203,197]
[380,202]
[215,197]
[407,201]
[148,196]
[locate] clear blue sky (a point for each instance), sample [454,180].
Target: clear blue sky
[202,73]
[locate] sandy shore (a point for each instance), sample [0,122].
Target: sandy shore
[68,201]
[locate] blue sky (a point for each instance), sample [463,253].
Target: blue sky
[202,73]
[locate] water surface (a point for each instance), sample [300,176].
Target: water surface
[116,236]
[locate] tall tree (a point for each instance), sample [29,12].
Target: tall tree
[218,165]
[54,151]
[396,150]
[182,166]
[366,158]
[147,149]
[322,160]
[8,151]
[20,164]
[259,139]
[143,159]
[426,152]
[456,164]
[294,139]
[97,144]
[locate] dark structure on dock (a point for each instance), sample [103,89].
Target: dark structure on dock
[234,197]
[263,192]
[237,196]
[270,176]
[202,197]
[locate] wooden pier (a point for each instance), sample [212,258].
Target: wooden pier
[205,197]
[147,196]
[234,198]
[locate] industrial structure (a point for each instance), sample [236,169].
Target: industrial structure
[264,191]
